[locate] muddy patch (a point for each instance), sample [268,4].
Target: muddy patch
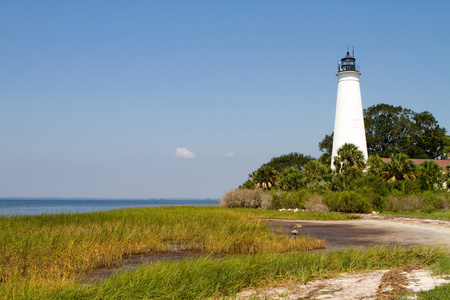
[337,235]
[366,232]
[134,261]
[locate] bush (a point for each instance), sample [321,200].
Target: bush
[409,203]
[428,202]
[255,198]
[316,204]
[407,187]
[347,201]
[292,200]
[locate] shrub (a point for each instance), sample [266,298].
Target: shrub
[292,200]
[255,198]
[428,202]
[347,201]
[316,204]
[409,203]
[406,186]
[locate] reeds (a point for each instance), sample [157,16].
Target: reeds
[207,278]
[54,249]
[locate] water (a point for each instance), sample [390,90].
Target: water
[35,206]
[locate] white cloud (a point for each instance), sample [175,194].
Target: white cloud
[182,152]
[229,154]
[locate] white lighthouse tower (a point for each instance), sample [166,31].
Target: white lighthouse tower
[349,120]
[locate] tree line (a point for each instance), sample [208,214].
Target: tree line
[392,132]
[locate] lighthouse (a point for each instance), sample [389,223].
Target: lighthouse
[349,119]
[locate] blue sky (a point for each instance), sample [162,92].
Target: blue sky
[186,98]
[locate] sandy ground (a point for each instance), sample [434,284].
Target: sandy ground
[367,231]
[364,285]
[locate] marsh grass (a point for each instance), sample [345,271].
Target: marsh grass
[54,250]
[207,278]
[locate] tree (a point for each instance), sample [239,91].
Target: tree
[293,159]
[394,129]
[349,156]
[377,167]
[292,179]
[316,171]
[265,177]
[326,145]
[400,167]
[325,159]
[431,175]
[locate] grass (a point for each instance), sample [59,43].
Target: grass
[442,214]
[439,293]
[291,215]
[54,250]
[45,257]
[207,278]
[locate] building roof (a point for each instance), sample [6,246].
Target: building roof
[443,163]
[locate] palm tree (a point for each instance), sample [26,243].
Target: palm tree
[265,177]
[400,167]
[349,156]
[431,174]
[292,179]
[377,167]
[317,171]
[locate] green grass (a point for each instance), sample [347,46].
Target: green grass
[439,293]
[291,215]
[46,256]
[52,250]
[206,278]
[442,214]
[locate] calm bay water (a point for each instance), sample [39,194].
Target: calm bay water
[35,206]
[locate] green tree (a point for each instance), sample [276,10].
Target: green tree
[325,159]
[349,156]
[316,171]
[293,159]
[265,177]
[376,166]
[292,179]
[431,175]
[249,184]
[326,145]
[394,129]
[430,140]
[400,167]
